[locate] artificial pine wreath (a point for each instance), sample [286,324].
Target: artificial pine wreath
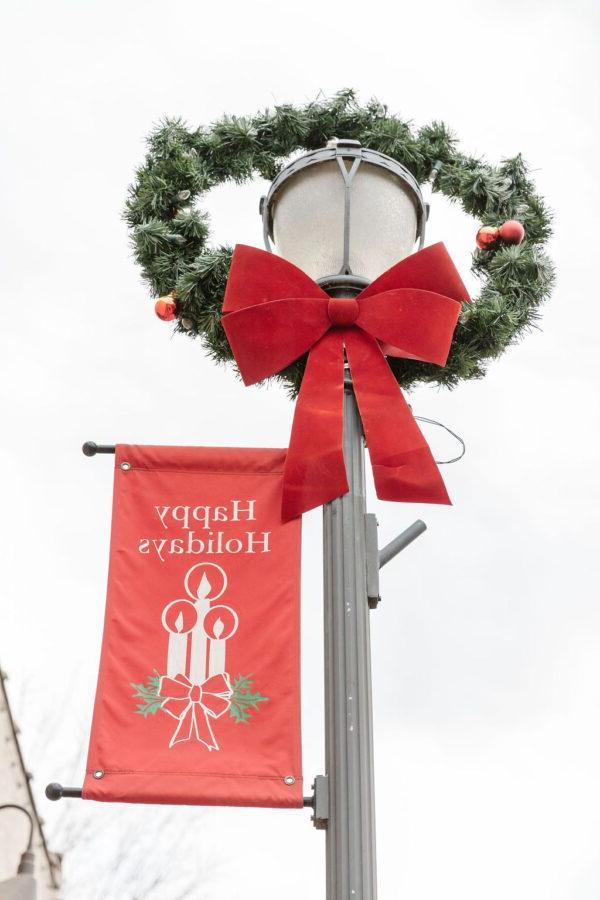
[170,234]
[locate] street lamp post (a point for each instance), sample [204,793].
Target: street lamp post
[23,885]
[344,214]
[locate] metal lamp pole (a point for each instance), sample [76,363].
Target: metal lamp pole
[351,863]
[23,885]
[322,211]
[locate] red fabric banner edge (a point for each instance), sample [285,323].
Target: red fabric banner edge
[207,790]
[225,460]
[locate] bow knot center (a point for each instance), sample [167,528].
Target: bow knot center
[195,693]
[343,310]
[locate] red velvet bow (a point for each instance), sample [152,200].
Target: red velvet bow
[274,313]
[193,704]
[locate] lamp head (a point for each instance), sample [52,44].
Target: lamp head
[344,214]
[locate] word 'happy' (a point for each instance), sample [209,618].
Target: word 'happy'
[209,541]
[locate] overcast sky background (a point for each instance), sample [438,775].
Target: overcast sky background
[486,648]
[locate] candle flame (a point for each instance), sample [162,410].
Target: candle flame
[204,588]
[218,628]
[179,622]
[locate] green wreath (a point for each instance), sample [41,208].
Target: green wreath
[170,235]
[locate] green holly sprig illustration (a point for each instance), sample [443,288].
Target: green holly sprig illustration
[243,699]
[150,700]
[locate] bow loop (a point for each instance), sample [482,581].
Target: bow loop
[177,688]
[274,313]
[257,277]
[419,324]
[268,337]
[430,269]
[216,696]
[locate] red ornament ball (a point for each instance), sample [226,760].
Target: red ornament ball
[166,308]
[512,232]
[486,236]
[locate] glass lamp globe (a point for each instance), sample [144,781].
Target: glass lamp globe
[344,214]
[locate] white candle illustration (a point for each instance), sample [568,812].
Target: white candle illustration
[179,618]
[198,657]
[219,624]
[212,582]
[216,659]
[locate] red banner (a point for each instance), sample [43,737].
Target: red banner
[198,697]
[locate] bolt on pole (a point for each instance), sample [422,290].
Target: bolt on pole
[351,862]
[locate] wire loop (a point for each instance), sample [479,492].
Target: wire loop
[446,462]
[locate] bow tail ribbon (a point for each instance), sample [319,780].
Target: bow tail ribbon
[194,715]
[315,469]
[403,465]
[194,722]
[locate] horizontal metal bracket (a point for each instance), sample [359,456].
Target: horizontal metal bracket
[91,448]
[399,543]
[319,801]
[375,559]
[56,791]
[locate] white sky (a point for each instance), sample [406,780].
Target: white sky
[486,658]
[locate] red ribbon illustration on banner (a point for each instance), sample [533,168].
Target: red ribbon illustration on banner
[193,704]
[274,313]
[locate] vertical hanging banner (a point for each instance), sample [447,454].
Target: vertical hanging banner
[198,697]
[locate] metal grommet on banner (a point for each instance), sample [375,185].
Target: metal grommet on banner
[289,779]
[125,466]
[98,773]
